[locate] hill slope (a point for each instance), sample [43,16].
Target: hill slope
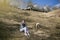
[10,19]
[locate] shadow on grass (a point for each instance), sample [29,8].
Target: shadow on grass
[53,36]
[25,13]
[37,37]
[6,30]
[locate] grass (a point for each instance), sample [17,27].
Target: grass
[11,17]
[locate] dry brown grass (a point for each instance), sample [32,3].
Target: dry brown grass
[11,17]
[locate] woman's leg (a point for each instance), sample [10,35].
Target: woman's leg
[26,32]
[22,29]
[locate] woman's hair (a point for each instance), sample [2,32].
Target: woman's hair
[23,21]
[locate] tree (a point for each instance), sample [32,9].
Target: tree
[56,7]
[29,4]
[18,3]
[47,8]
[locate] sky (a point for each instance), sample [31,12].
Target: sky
[37,2]
[46,2]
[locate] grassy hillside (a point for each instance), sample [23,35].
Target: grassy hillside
[11,17]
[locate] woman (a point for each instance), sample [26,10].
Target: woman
[24,28]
